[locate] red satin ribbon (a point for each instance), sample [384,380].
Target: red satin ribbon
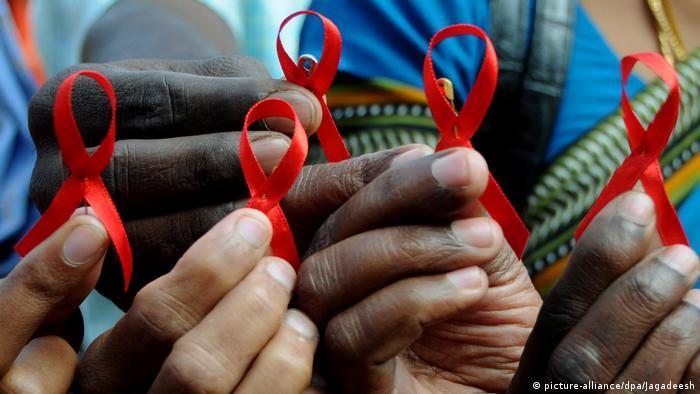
[457,129]
[267,191]
[318,82]
[84,183]
[646,145]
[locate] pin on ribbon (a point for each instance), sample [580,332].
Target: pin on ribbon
[84,183]
[646,147]
[267,191]
[318,77]
[457,129]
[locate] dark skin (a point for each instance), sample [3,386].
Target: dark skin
[384,327]
[623,299]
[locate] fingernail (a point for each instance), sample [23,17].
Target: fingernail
[466,278]
[84,244]
[452,170]
[636,208]
[411,155]
[282,272]
[301,324]
[269,152]
[302,106]
[253,231]
[682,259]
[477,232]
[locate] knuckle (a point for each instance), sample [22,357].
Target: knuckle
[313,282]
[675,331]
[265,298]
[573,363]
[647,294]
[40,285]
[288,364]
[197,369]
[234,66]
[558,315]
[342,338]
[161,316]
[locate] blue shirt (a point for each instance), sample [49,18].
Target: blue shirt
[17,154]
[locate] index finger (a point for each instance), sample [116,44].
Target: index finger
[45,279]
[160,104]
[615,241]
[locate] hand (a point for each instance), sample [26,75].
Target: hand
[217,323]
[622,311]
[175,171]
[39,304]
[414,290]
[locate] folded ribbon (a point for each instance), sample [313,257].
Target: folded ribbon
[84,183]
[267,191]
[646,147]
[318,80]
[457,129]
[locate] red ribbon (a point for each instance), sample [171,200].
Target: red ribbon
[646,147]
[267,191]
[84,183]
[318,81]
[457,129]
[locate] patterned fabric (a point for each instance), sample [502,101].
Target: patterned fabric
[381,115]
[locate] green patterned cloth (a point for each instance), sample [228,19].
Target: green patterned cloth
[568,187]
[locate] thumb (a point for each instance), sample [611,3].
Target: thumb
[46,278]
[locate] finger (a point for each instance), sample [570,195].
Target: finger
[200,170]
[627,311]
[669,348]
[344,273]
[45,279]
[286,361]
[217,66]
[322,188]
[162,104]
[431,189]
[159,240]
[691,378]
[45,365]
[128,356]
[364,340]
[214,356]
[614,242]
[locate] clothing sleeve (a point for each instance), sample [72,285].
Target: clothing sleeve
[389,39]
[17,153]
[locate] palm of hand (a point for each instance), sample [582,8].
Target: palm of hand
[478,350]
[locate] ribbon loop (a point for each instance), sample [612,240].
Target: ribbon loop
[318,81]
[457,129]
[84,183]
[646,147]
[266,192]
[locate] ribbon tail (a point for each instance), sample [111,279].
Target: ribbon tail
[282,242]
[500,209]
[69,196]
[330,139]
[100,201]
[667,222]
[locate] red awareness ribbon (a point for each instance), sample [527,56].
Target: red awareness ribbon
[267,191]
[84,183]
[457,129]
[646,147]
[318,81]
